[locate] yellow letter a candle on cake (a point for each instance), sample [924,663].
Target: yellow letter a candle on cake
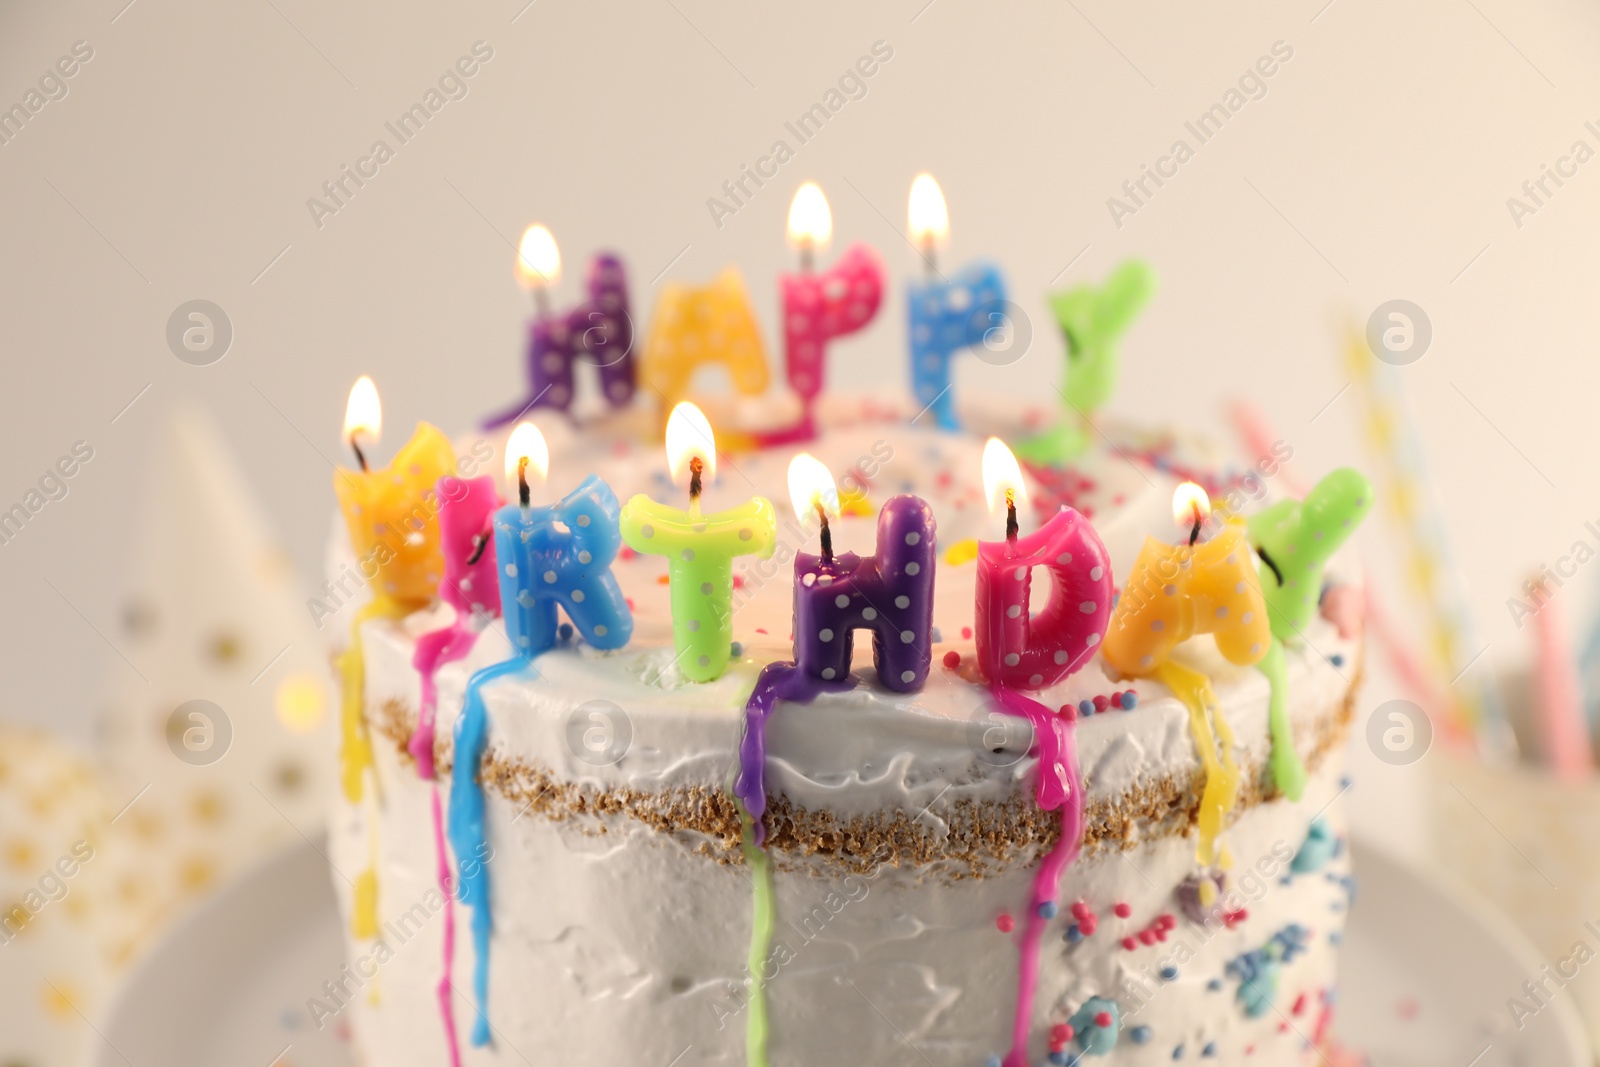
[696,326]
[391,515]
[1176,592]
[699,548]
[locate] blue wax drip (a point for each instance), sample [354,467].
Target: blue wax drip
[466,831]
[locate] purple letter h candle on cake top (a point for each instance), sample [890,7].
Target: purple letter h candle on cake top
[890,593]
[598,331]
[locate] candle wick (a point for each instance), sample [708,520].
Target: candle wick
[361,457]
[805,257]
[930,257]
[523,494]
[480,542]
[1011,516]
[697,468]
[827,535]
[541,302]
[1271,566]
[1194,534]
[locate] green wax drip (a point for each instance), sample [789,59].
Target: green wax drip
[1287,769]
[1299,537]
[761,922]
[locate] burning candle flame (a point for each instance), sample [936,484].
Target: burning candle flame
[538,258]
[1190,506]
[928,215]
[1002,478]
[527,442]
[363,415]
[689,437]
[811,486]
[810,221]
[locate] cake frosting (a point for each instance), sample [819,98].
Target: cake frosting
[903,837]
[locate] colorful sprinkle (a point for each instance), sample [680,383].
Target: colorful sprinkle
[1122,909]
[1005,923]
[952,659]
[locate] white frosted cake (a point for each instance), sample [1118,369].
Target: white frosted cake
[903,834]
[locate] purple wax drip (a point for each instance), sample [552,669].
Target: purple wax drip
[598,331]
[890,594]
[778,681]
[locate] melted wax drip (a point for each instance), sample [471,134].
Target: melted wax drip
[778,681]
[466,831]
[434,650]
[1060,785]
[1288,770]
[1222,775]
[355,755]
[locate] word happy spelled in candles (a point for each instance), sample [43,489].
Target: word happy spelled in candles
[852,86]
[342,188]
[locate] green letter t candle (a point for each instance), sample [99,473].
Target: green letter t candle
[699,548]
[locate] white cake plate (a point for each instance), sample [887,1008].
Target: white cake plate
[1424,978]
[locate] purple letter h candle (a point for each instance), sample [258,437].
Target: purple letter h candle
[890,594]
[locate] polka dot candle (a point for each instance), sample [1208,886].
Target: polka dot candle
[700,549]
[890,593]
[949,316]
[560,556]
[820,307]
[597,331]
[696,326]
[1030,652]
[1175,592]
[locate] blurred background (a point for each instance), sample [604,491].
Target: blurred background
[1385,159]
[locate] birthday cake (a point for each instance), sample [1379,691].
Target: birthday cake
[617,791]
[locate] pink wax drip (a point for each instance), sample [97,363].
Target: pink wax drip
[434,649]
[1060,785]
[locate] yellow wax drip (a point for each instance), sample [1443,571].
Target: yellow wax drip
[1222,775]
[355,757]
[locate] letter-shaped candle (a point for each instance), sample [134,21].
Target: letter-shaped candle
[1093,320]
[1016,652]
[890,593]
[1295,540]
[1030,652]
[559,555]
[947,315]
[469,586]
[547,556]
[597,330]
[699,548]
[390,517]
[696,326]
[1173,593]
